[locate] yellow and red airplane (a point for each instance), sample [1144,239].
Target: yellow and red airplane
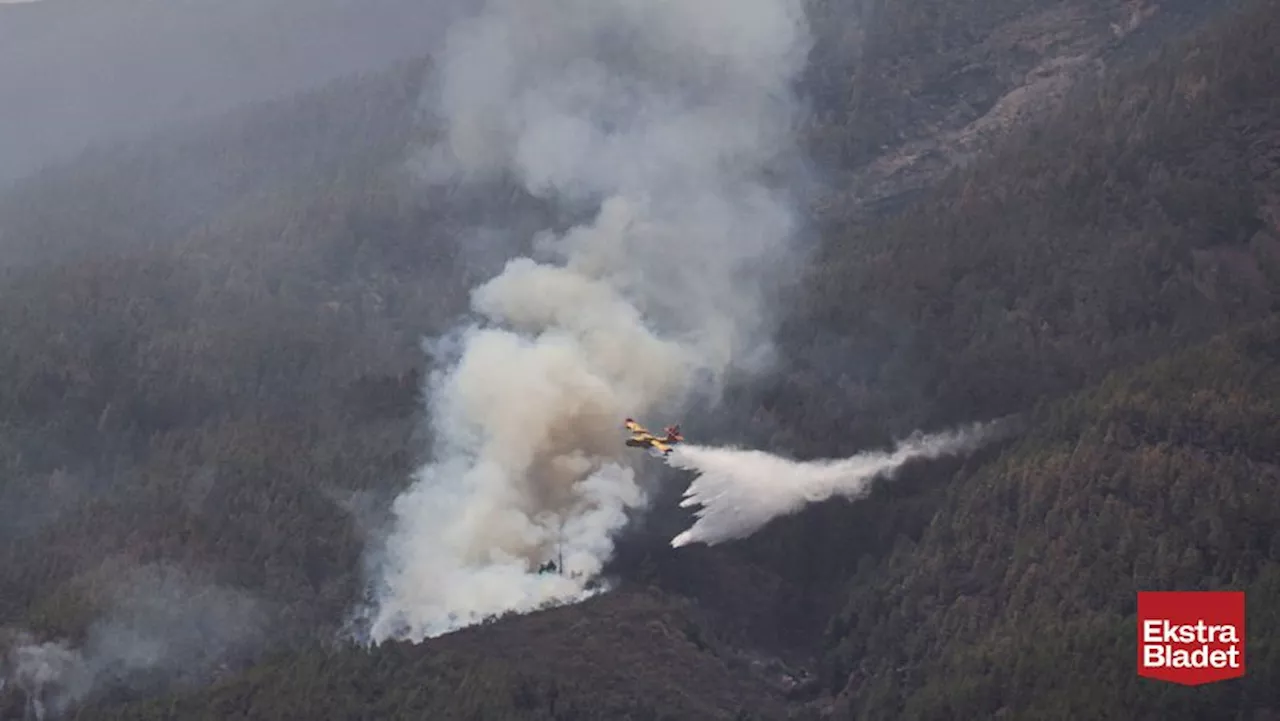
[642,438]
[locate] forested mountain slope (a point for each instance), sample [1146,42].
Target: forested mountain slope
[1017,601]
[75,73]
[231,387]
[1019,598]
[927,87]
[1142,216]
[637,655]
[128,197]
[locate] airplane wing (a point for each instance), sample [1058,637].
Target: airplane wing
[642,438]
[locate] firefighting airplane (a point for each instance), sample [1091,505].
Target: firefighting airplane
[642,438]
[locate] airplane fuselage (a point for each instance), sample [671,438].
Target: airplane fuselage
[642,438]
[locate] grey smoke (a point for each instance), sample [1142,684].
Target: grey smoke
[81,72]
[50,675]
[160,626]
[668,121]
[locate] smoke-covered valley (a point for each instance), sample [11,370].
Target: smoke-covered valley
[322,399]
[75,73]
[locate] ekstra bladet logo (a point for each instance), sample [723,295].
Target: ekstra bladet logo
[1191,637]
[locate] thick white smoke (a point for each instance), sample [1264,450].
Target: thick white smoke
[739,491]
[666,118]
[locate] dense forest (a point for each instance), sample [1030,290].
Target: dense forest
[213,388]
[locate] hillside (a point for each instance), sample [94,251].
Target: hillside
[1018,595]
[635,655]
[1037,271]
[927,88]
[1021,590]
[128,197]
[79,73]
[213,363]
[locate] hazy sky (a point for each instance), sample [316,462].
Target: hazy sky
[78,71]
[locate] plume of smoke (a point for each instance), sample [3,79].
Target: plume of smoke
[160,627]
[738,491]
[664,120]
[51,675]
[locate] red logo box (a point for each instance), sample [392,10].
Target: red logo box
[1191,637]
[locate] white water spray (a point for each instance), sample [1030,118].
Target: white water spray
[739,491]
